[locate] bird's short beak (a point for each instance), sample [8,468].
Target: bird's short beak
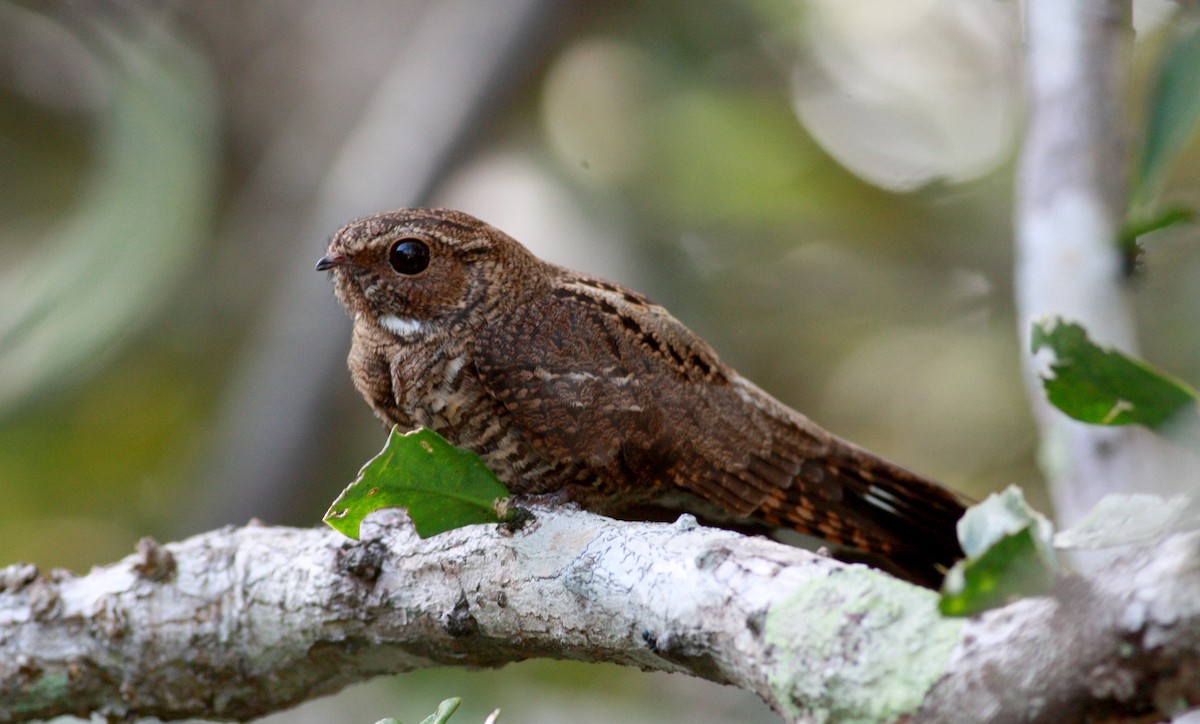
[330,261]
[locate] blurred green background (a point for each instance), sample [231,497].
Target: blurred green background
[821,188]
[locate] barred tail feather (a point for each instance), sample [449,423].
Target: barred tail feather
[901,520]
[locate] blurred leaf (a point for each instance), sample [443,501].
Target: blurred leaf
[101,274]
[1009,570]
[1163,219]
[1104,387]
[441,486]
[444,711]
[1131,248]
[1009,556]
[999,515]
[1131,520]
[727,155]
[1174,107]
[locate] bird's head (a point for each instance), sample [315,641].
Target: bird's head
[414,269]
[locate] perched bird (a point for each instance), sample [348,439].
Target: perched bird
[570,385]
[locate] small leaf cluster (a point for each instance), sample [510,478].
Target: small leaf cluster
[444,711]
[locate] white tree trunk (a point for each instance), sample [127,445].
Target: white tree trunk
[1071,202]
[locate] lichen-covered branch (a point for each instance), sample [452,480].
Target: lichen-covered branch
[237,623]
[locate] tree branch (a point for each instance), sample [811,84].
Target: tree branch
[237,623]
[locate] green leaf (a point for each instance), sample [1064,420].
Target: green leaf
[1010,570]
[1174,107]
[1104,387]
[1009,556]
[1161,219]
[443,487]
[444,711]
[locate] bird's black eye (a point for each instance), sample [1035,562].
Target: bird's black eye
[409,256]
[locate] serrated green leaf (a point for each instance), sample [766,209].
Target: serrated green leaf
[444,711]
[1105,387]
[441,486]
[1009,555]
[1174,107]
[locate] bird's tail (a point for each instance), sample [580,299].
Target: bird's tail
[901,520]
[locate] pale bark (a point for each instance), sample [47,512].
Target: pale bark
[237,623]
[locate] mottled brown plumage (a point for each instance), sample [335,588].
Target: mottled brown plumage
[572,385]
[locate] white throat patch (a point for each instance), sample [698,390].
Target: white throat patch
[400,326]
